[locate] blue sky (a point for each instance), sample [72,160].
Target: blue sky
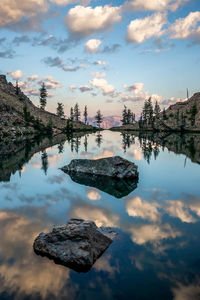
[103,54]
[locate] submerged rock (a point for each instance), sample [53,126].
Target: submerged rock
[112,186]
[77,245]
[115,167]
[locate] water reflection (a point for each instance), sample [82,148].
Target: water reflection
[156,255]
[111,186]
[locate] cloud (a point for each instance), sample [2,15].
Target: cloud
[58,62]
[155,5]
[102,85]
[142,234]
[98,75]
[140,30]
[92,46]
[66,2]
[111,49]
[85,88]
[186,28]
[93,194]
[137,207]
[9,53]
[176,208]
[16,75]
[33,77]
[84,21]
[18,40]
[13,11]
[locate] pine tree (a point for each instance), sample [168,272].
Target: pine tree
[150,111]
[60,110]
[76,112]
[124,116]
[17,88]
[157,110]
[99,118]
[43,96]
[193,113]
[132,117]
[164,114]
[129,116]
[85,114]
[72,114]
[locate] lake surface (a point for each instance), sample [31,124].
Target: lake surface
[157,252]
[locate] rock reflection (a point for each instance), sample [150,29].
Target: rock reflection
[111,186]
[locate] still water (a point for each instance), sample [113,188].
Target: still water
[157,252]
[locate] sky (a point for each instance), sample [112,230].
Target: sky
[103,54]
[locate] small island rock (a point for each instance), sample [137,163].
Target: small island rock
[115,167]
[77,245]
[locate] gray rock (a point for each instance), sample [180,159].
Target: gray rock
[77,245]
[115,167]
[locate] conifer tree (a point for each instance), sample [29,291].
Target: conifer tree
[99,118]
[77,113]
[43,96]
[164,114]
[157,110]
[85,114]
[60,110]
[124,116]
[72,114]
[17,88]
[193,113]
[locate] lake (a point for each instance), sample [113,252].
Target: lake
[156,253]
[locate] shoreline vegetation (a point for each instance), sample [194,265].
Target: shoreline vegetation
[180,117]
[21,119]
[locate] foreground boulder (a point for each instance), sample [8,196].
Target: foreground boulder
[112,186]
[115,167]
[77,245]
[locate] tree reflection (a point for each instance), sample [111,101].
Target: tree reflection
[99,139]
[45,164]
[127,140]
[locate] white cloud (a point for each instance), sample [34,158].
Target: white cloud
[92,46]
[15,75]
[33,77]
[137,207]
[102,85]
[66,2]
[100,63]
[140,30]
[72,87]
[13,11]
[156,5]
[84,21]
[153,233]
[93,194]
[185,28]
[98,74]
[177,208]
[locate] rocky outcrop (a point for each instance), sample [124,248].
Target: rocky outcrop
[115,167]
[180,117]
[77,245]
[15,121]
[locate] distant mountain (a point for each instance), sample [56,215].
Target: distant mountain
[108,122]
